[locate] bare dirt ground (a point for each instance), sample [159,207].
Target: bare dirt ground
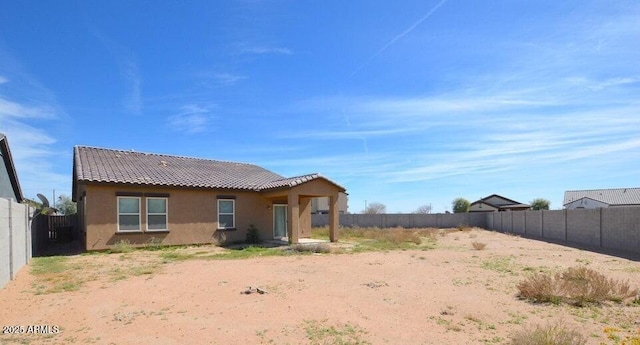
[452,294]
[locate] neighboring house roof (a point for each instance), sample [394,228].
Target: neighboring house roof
[501,203]
[11,169]
[101,165]
[613,196]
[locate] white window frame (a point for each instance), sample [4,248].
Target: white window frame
[233,202]
[165,214]
[139,214]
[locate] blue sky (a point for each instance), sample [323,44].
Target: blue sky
[402,102]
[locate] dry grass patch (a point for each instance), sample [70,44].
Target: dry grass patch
[55,274]
[548,335]
[478,245]
[322,248]
[320,332]
[372,239]
[577,286]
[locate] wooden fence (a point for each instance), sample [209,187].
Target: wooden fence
[53,229]
[60,228]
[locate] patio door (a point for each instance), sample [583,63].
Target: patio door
[279,221]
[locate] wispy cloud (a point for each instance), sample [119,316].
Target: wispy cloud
[410,28]
[192,119]
[32,148]
[480,132]
[399,36]
[228,79]
[10,109]
[128,65]
[3,79]
[246,48]
[131,73]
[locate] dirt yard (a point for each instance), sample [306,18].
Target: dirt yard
[453,294]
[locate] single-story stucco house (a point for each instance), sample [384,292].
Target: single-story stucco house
[140,197]
[497,203]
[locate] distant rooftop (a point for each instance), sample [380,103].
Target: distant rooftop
[613,196]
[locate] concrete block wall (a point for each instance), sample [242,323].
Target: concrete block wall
[583,226]
[616,228]
[610,228]
[451,220]
[621,228]
[533,223]
[5,244]
[554,225]
[517,220]
[15,239]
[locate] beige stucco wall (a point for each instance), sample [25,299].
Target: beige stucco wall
[192,216]
[192,213]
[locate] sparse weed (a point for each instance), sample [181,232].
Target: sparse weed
[318,332]
[578,286]
[502,264]
[312,248]
[478,245]
[122,246]
[464,227]
[154,243]
[547,335]
[54,274]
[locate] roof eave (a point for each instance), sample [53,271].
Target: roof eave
[8,160]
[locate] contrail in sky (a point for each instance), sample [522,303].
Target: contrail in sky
[399,36]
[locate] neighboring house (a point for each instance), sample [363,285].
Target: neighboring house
[134,196]
[495,203]
[601,198]
[321,205]
[9,185]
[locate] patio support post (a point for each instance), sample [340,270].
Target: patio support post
[293,213]
[334,218]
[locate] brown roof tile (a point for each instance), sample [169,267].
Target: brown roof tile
[129,167]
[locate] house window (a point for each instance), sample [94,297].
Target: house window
[226,214]
[128,214]
[157,214]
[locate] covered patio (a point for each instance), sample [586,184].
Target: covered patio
[294,195]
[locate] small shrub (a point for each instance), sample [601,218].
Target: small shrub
[577,286]
[253,235]
[478,245]
[122,246]
[540,288]
[464,227]
[154,243]
[548,335]
[219,238]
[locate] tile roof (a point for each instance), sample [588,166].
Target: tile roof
[613,196]
[291,181]
[130,167]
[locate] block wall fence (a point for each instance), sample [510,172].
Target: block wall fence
[15,238]
[614,228]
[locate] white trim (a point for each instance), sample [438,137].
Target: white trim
[139,214]
[165,214]
[233,202]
